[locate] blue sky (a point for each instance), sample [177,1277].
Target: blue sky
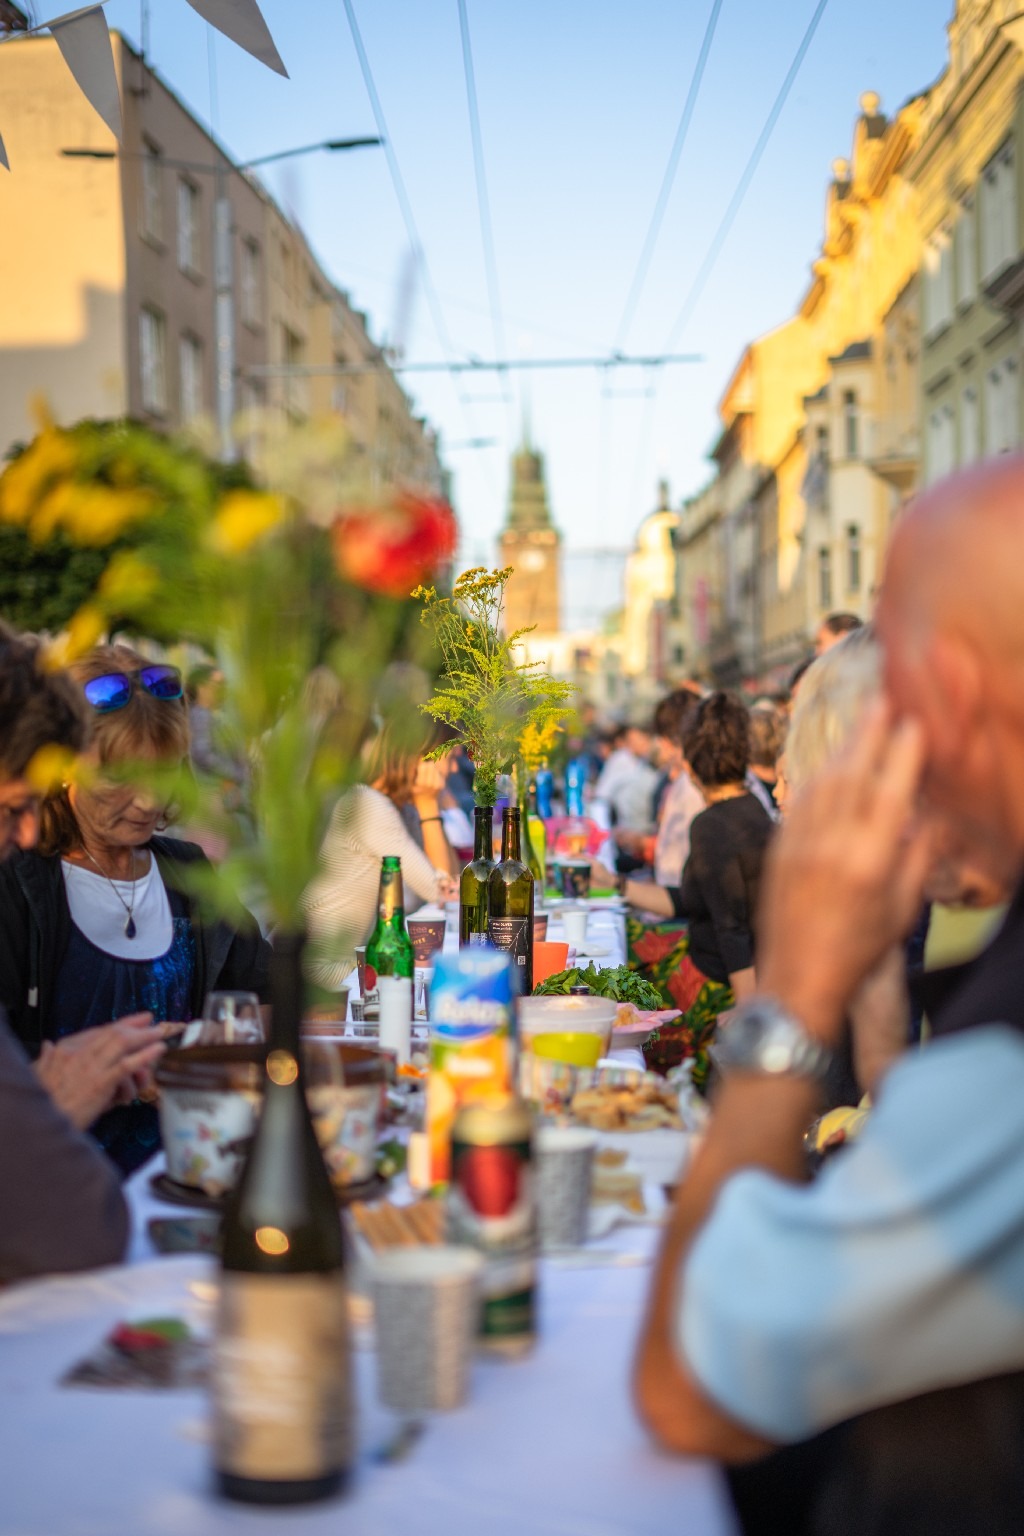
[579,106]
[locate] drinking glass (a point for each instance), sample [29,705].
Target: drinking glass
[231,1018]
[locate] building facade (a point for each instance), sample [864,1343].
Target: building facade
[117,295]
[807,479]
[967,173]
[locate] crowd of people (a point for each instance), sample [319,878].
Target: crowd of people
[840,872]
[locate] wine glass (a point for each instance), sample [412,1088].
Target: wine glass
[231,1018]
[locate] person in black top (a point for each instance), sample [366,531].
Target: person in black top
[721,879]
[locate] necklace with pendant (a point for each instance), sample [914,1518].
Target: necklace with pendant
[129,923]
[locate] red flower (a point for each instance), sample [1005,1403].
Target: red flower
[391,549]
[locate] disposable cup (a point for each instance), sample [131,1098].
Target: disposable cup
[574,926]
[427,1307]
[563,1165]
[548,959]
[396,1015]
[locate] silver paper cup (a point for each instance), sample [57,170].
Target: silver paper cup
[427,1307]
[563,1164]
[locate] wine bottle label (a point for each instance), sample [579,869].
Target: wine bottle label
[512,934]
[478,941]
[281,1387]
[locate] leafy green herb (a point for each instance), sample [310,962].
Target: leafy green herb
[617,982]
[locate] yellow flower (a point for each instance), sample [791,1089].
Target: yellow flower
[244,518]
[25,480]
[52,766]
[81,635]
[127,581]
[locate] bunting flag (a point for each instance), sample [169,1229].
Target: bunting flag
[3,157]
[84,40]
[242,21]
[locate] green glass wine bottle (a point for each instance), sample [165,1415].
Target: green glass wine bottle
[474,884]
[281,1372]
[510,924]
[535,837]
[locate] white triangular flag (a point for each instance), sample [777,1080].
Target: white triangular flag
[242,21]
[3,157]
[84,40]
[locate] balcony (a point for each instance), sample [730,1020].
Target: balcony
[897,460]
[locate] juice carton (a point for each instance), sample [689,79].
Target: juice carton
[472,1041]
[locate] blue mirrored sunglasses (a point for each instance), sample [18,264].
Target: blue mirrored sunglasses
[114,689]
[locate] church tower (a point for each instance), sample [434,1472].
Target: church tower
[531,543]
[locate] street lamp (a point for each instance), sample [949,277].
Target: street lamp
[223,263]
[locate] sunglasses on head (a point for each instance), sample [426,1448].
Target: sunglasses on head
[114,689]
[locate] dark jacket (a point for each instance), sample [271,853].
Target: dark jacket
[61,1206]
[35,924]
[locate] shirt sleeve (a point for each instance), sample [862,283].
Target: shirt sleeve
[61,1207]
[900,1270]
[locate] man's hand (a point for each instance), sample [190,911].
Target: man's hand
[844,880]
[95,1069]
[880,1018]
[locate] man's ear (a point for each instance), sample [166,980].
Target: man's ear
[951,695]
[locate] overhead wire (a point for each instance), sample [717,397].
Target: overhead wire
[408,217]
[721,234]
[668,180]
[650,242]
[482,196]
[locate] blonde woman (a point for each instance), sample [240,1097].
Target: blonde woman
[99,922]
[398,812]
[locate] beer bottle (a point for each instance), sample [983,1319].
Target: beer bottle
[389,961]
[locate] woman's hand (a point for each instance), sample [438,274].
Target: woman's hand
[97,1068]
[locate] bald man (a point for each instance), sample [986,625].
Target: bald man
[780,1308]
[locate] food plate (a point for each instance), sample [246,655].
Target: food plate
[594,952]
[637,1024]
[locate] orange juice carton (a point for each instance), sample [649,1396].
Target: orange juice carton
[472,1041]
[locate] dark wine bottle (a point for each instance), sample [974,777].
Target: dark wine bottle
[281,1372]
[474,885]
[510,924]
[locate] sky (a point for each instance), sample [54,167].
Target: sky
[579,106]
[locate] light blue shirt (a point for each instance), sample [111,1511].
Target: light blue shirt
[898,1271]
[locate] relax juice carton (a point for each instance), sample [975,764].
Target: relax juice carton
[472,1043]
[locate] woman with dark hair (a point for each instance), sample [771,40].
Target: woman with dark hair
[719,889]
[101,921]
[706,969]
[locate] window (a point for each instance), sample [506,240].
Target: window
[151,211]
[850,424]
[1002,407]
[339,388]
[853,558]
[824,578]
[966,254]
[999,240]
[153,361]
[250,282]
[941,442]
[938,282]
[188,226]
[190,368]
[295,397]
[970,426]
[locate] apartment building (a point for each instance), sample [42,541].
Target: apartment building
[153,278]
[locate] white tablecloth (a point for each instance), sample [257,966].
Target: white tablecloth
[547,1446]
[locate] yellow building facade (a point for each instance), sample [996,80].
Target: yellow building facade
[803,513]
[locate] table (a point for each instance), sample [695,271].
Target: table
[547,1446]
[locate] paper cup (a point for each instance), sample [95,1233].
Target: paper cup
[427,1306]
[563,1164]
[574,926]
[574,878]
[427,936]
[540,927]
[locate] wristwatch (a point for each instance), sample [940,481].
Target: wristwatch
[763,1038]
